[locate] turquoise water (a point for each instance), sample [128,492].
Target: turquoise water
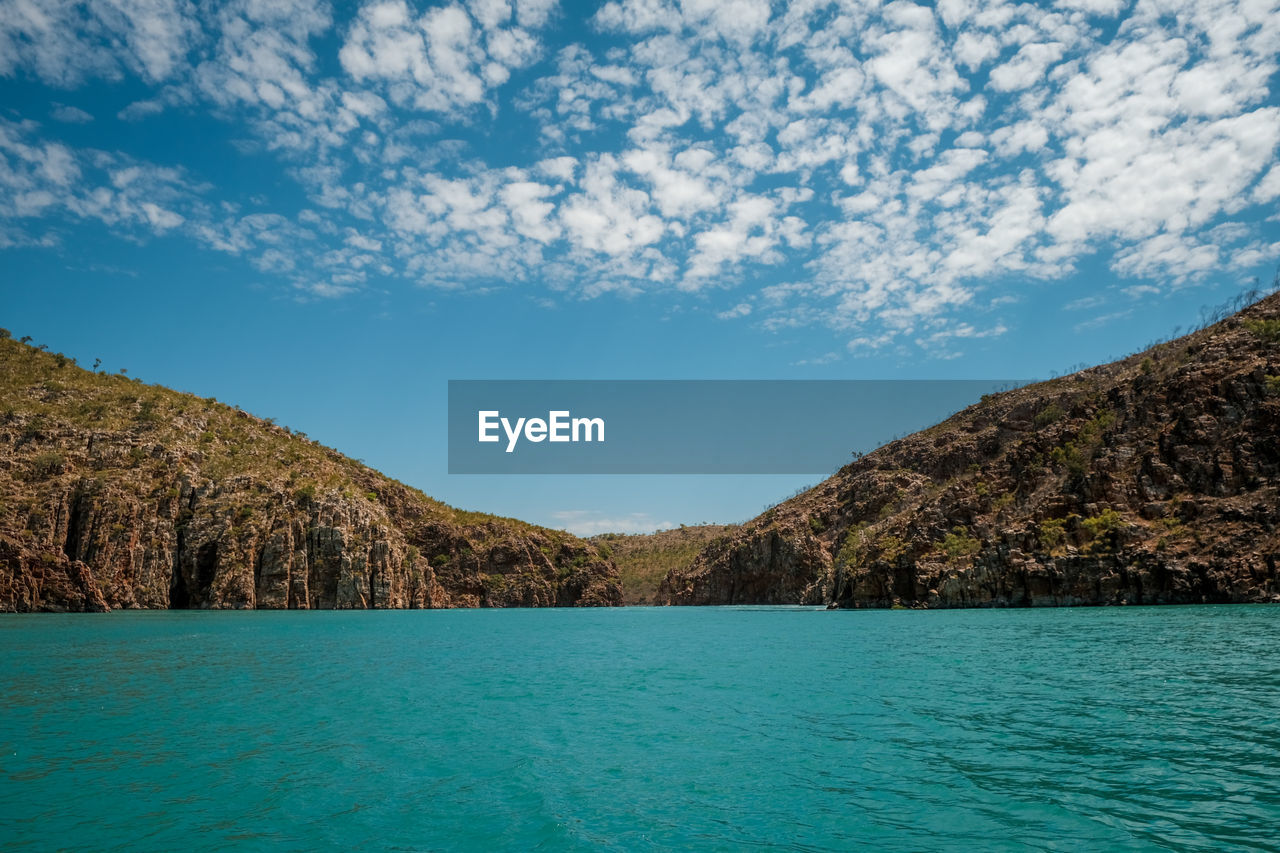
[643,729]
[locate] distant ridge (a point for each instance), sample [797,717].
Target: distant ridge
[117,494]
[1150,480]
[644,559]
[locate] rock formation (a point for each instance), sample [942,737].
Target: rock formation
[1155,479]
[118,494]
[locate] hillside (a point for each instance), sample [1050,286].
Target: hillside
[644,559]
[116,494]
[1149,480]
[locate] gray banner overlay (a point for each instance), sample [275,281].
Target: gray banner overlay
[689,426]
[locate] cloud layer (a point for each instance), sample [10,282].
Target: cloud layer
[877,169]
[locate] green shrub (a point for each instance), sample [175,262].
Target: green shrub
[33,429]
[1052,532]
[47,464]
[147,412]
[851,549]
[1071,457]
[1051,413]
[1268,329]
[1102,524]
[1075,456]
[958,543]
[891,548]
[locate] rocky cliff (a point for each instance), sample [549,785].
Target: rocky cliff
[1150,480]
[118,494]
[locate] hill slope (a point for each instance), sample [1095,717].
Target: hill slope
[1150,480]
[118,494]
[644,559]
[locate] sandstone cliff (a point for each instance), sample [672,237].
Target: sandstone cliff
[118,494]
[1150,480]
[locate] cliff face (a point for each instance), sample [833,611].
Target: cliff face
[1155,479]
[118,494]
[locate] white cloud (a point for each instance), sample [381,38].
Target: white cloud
[976,49]
[680,188]
[534,14]
[70,115]
[1085,302]
[41,179]
[962,331]
[64,42]
[742,309]
[363,242]
[1102,320]
[1167,255]
[1268,188]
[444,59]
[1026,68]
[751,232]
[1029,135]
[587,522]
[607,216]
[899,167]
[530,211]
[562,168]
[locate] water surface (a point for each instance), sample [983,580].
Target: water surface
[643,729]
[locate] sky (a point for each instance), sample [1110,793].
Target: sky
[322,213]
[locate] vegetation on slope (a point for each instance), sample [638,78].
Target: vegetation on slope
[1149,480]
[118,493]
[644,559]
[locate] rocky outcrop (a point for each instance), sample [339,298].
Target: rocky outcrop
[115,494]
[1152,480]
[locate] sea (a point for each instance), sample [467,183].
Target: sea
[729,728]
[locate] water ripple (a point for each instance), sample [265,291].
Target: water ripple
[643,729]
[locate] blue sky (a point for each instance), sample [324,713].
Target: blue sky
[323,213]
